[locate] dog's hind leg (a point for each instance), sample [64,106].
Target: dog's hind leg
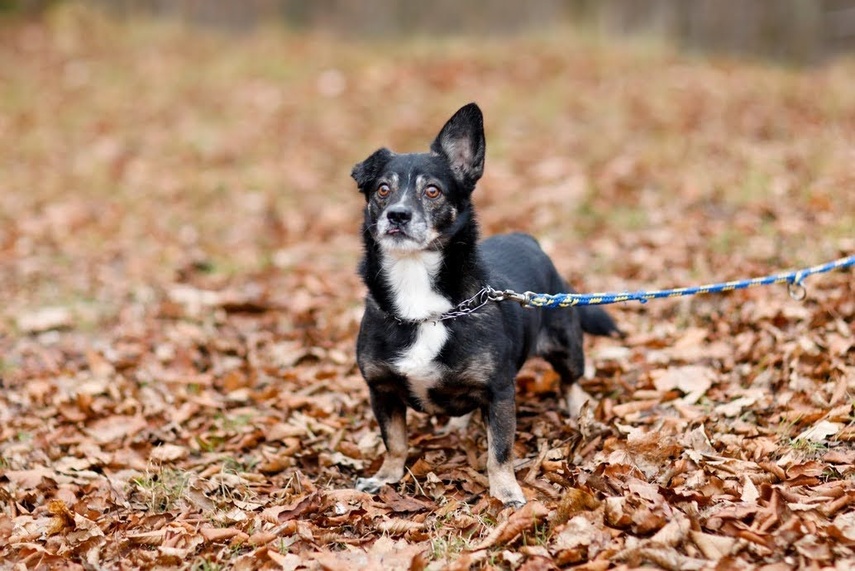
[560,344]
[569,370]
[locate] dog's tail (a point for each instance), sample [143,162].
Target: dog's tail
[596,321]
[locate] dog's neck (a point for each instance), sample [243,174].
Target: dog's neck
[421,286]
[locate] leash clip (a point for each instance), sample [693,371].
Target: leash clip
[509,295]
[796,287]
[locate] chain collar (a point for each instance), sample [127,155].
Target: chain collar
[468,306]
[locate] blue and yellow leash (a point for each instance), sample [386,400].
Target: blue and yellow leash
[793,279]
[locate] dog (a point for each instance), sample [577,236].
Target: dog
[422,259]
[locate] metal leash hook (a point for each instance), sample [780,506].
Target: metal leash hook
[796,287]
[797,291]
[508,294]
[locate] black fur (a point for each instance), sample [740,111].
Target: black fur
[422,257]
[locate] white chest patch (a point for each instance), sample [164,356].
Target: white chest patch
[411,278]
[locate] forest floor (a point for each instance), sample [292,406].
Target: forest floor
[178,243]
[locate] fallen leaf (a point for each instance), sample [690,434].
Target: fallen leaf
[750,494]
[63,518]
[114,429]
[714,547]
[45,319]
[820,431]
[219,534]
[694,381]
[168,453]
[399,503]
[521,520]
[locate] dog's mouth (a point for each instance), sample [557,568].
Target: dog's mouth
[396,239]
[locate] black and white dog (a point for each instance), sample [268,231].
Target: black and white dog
[422,259]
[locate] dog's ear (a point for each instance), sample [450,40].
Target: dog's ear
[370,168]
[461,141]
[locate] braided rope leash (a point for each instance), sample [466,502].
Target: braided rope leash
[793,279]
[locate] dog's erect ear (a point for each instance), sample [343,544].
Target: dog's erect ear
[370,168]
[461,141]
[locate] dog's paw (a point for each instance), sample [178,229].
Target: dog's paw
[515,504]
[511,497]
[369,485]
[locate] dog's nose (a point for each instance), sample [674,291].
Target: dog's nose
[399,215]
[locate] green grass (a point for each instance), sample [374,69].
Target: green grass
[205,564]
[237,466]
[448,547]
[162,490]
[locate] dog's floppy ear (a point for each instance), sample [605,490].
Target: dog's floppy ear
[370,168]
[461,141]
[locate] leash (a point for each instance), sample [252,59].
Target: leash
[793,279]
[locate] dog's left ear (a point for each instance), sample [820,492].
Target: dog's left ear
[370,168]
[461,141]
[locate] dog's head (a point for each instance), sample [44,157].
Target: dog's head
[414,201]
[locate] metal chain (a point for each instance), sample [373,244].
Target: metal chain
[468,306]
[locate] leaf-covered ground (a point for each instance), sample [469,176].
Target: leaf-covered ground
[178,238]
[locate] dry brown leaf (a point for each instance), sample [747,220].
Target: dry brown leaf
[674,532]
[843,527]
[29,479]
[573,501]
[398,526]
[168,453]
[306,505]
[521,520]
[616,514]
[286,561]
[63,518]
[155,537]
[820,432]
[398,503]
[665,558]
[627,409]
[692,380]
[750,494]
[219,533]
[385,553]
[45,319]
[714,547]
[580,535]
[113,429]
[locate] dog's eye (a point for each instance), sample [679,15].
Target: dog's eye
[383,190]
[432,191]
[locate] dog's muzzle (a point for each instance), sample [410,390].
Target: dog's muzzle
[398,216]
[401,228]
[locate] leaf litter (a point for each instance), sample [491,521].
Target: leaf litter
[178,241]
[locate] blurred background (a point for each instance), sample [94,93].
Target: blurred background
[645,142]
[789,30]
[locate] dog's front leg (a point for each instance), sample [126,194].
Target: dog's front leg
[391,415]
[501,423]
